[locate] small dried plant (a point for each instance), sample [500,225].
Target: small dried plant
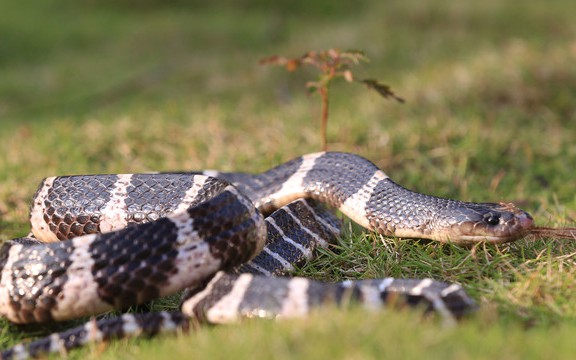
[332,64]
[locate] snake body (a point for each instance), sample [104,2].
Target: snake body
[117,240]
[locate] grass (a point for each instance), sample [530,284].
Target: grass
[121,87]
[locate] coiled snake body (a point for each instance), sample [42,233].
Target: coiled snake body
[119,240]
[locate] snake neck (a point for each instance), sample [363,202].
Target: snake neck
[369,197]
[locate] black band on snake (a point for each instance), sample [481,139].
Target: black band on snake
[119,240]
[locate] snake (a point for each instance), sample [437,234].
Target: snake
[104,242]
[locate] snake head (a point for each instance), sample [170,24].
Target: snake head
[490,223]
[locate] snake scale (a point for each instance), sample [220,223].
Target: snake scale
[103,242]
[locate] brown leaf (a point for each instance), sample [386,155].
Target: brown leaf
[333,53]
[355,56]
[274,59]
[292,64]
[382,89]
[348,76]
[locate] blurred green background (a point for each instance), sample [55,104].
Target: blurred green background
[61,57]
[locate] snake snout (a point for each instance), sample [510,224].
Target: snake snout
[517,219]
[492,223]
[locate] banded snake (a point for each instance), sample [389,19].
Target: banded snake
[116,240]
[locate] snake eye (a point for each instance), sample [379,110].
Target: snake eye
[492,219]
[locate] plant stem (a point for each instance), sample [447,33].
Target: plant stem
[324,116]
